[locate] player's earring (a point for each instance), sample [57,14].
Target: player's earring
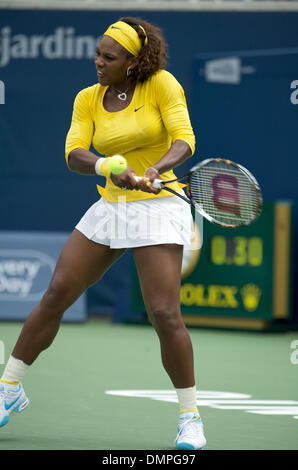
[128,71]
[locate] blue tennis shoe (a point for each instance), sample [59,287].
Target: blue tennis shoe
[12,400]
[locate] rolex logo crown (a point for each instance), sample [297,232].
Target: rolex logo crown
[251,296]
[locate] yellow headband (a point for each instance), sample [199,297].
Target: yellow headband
[126,36]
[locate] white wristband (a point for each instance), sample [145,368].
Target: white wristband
[98,165]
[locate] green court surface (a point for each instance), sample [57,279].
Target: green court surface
[70,410]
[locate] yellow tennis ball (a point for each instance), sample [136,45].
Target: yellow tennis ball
[117,164]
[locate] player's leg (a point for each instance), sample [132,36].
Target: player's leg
[81,263]
[159,271]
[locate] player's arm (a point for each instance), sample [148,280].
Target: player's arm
[79,137]
[78,156]
[171,101]
[178,153]
[82,161]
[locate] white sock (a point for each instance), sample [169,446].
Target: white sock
[14,371]
[187,398]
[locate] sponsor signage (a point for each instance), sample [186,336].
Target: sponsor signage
[27,263]
[239,277]
[24,274]
[63,43]
[227,70]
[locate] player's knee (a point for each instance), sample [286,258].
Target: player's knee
[58,297]
[166,318]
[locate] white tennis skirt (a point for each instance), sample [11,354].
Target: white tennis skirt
[138,223]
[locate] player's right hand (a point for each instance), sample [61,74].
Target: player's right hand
[125,180]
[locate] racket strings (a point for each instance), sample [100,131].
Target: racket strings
[234,197]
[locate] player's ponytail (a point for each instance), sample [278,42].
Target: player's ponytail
[152,56]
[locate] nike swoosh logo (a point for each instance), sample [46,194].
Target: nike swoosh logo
[114,27]
[137,109]
[7,407]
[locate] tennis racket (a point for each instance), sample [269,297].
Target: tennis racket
[222,191]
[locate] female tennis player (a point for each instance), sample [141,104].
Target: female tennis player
[137,109]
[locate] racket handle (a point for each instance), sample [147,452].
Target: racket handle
[156,183]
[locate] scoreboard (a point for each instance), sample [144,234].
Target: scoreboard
[239,278]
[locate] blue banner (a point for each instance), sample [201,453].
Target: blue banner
[27,263]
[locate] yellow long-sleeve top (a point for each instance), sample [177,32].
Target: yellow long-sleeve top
[142,132]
